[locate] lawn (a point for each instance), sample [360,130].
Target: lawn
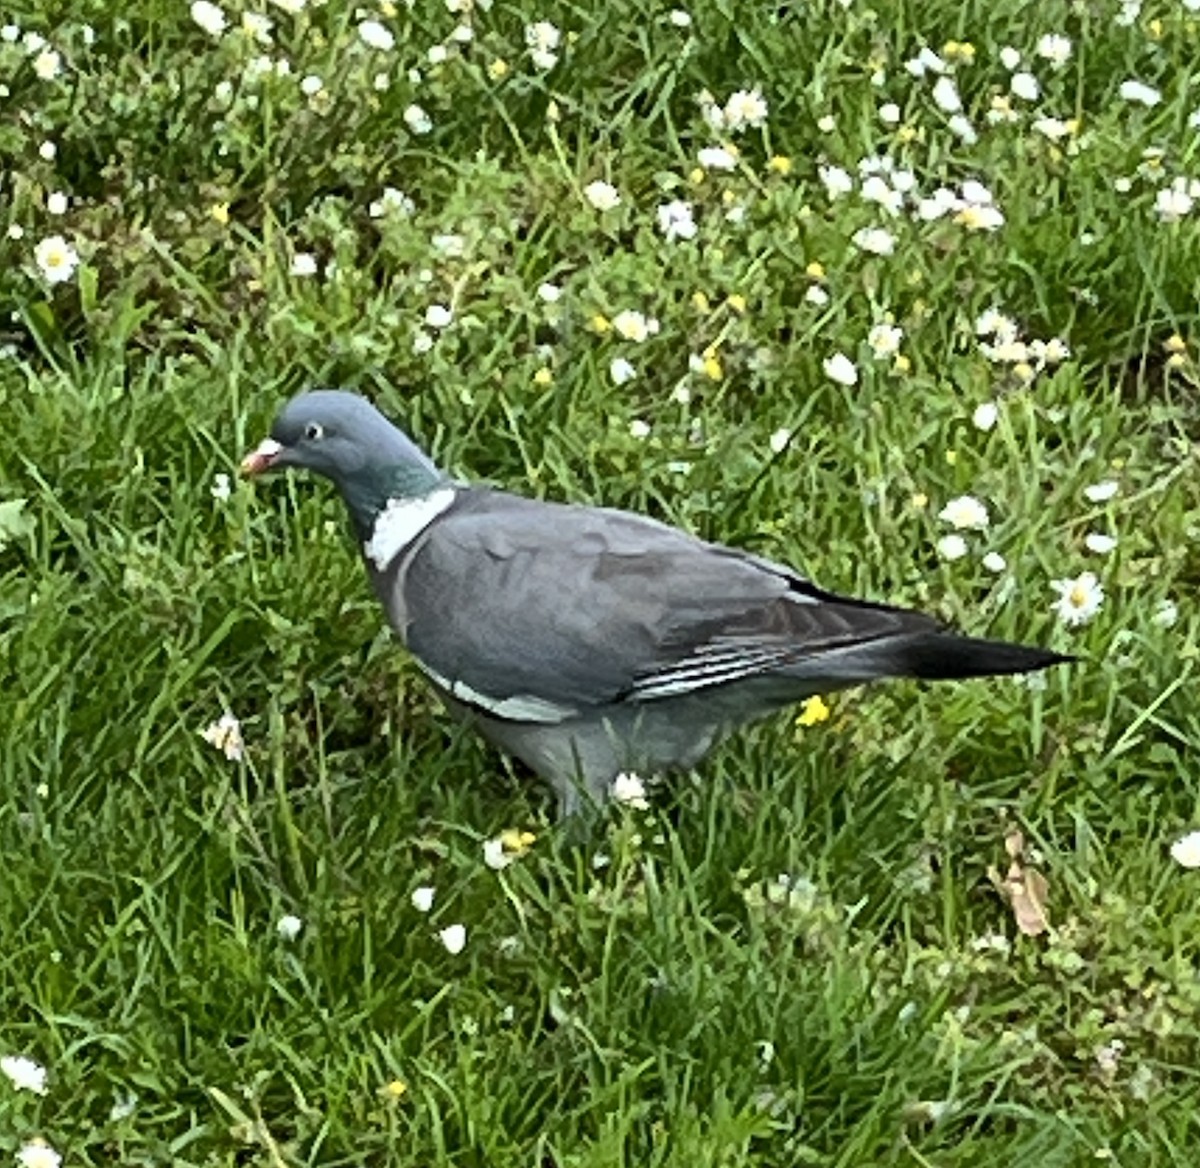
[905,295]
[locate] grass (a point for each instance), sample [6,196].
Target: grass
[796,957]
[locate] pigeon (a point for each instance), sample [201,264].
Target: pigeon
[589,642]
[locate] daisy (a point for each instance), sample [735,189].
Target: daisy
[38,1154]
[621,371]
[375,36]
[226,735]
[885,339]
[1055,48]
[747,108]
[24,1073]
[841,369]
[676,221]
[875,240]
[454,938]
[1185,851]
[288,927]
[209,17]
[56,258]
[629,789]
[603,196]
[1079,599]
[965,513]
[632,325]
[422,898]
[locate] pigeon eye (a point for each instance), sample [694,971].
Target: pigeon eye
[314,431]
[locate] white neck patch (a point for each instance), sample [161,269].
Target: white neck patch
[401,521]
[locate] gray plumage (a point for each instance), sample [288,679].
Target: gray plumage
[588,641]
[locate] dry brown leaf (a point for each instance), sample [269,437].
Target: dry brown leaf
[1025,889]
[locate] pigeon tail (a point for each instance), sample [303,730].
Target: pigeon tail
[942,656]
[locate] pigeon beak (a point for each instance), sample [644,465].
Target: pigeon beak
[261,458]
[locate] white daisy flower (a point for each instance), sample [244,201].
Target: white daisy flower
[1079,599]
[952,547]
[417,120]
[376,36]
[875,240]
[391,202]
[629,790]
[304,264]
[1099,543]
[47,65]
[603,196]
[1165,614]
[1185,851]
[717,158]
[226,735]
[621,370]
[747,108]
[56,259]
[945,95]
[24,1073]
[1140,93]
[676,221]
[965,513]
[1101,492]
[885,339]
[422,898]
[1025,86]
[838,367]
[454,938]
[837,181]
[38,1154]
[288,927]
[209,17]
[1054,48]
[631,325]
[985,415]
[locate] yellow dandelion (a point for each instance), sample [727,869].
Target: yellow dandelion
[396,1089]
[544,376]
[919,501]
[600,323]
[1175,344]
[387,8]
[1155,29]
[815,270]
[780,164]
[220,212]
[700,302]
[516,842]
[498,69]
[906,133]
[902,364]
[737,302]
[697,175]
[712,366]
[813,712]
[951,457]
[1176,360]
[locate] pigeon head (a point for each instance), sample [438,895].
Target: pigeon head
[344,438]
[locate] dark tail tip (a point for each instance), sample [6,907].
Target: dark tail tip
[948,656]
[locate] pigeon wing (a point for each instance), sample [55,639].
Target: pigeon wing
[546,611]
